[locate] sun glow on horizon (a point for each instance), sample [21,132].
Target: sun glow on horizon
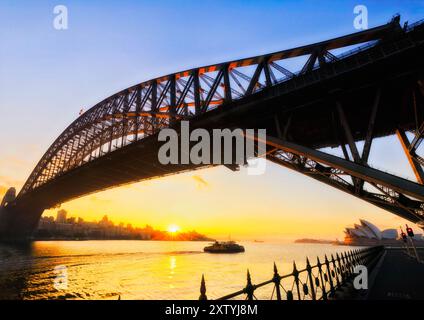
[173,228]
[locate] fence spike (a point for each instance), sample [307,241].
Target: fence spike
[321,277]
[277,280]
[203,289]
[296,279]
[294,267]
[311,281]
[249,287]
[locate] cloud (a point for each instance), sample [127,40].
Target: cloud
[200,182]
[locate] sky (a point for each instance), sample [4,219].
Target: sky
[48,75]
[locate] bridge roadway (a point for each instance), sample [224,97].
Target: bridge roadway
[303,109]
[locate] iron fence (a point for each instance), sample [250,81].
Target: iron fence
[314,282]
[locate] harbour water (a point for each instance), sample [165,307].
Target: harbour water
[141,269]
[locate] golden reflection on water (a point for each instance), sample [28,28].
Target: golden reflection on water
[172,266]
[142,269]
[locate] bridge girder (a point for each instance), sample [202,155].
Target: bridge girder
[399,196]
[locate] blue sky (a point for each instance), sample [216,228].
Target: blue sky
[111,45]
[47,76]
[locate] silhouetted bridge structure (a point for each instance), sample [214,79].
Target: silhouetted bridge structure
[357,87]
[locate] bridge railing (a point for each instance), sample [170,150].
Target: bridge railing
[412,26]
[314,282]
[346,62]
[361,48]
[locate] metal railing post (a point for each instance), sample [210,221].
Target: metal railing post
[249,287]
[311,282]
[340,270]
[333,262]
[296,279]
[347,265]
[277,280]
[324,291]
[327,263]
[203,289]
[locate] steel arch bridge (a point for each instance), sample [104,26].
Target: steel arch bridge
[353,88]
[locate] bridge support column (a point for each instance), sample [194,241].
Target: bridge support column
[18,224]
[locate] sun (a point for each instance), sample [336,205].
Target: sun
[173,228]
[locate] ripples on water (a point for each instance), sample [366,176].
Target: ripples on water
[142,269]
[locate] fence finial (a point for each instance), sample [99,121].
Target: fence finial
[203,289]
[294,267]
[249,287]
[277,280]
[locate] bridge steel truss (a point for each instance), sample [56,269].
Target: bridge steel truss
[143,110]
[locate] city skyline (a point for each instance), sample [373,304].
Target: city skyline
[64,227]
[72,80]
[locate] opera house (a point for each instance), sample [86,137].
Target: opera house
[366,233]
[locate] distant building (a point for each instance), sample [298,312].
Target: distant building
[61,216]
[71,220]
[367,233]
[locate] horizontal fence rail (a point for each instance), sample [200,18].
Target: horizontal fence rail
[314,282]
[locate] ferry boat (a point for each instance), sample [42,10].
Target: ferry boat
[224,247]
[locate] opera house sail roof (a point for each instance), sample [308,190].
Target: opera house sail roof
[366,233]
[368,230]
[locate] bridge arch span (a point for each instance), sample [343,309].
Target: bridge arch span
[321,105]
